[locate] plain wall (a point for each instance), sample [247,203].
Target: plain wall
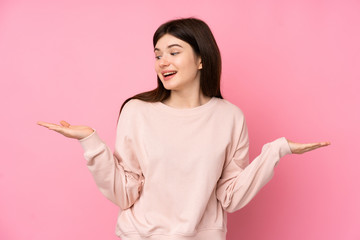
[291,66]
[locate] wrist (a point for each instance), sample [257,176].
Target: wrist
[86,134]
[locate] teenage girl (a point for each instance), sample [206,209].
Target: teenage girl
[181,159]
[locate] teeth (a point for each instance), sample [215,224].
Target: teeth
[168,73]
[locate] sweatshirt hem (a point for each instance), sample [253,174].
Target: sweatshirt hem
[202,234]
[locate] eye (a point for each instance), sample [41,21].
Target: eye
[174,53]
[157,57]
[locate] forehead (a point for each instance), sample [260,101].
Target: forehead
[169,40]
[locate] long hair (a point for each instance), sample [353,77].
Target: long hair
[198,34]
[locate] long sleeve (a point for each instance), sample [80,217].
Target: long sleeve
[241,181]
[117,175]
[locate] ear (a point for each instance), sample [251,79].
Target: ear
[200,64]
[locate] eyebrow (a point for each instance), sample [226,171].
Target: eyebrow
[170,46]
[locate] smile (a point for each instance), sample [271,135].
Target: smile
[169,75]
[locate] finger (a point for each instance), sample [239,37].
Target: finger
[46,124]
[314,146]
[54,126]
[318,144]
[59,129]
[323,144]
[41,123]
[64,123]
[305,147]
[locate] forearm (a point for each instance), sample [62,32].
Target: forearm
[240,190]
[109,175]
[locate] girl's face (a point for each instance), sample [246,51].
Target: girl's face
[176,63]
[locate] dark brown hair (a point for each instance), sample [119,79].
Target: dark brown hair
[198,34]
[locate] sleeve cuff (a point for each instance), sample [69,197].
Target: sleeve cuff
[91,142]
[284,148]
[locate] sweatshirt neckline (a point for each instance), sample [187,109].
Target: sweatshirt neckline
[185,111]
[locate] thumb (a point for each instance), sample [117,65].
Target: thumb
[64,123]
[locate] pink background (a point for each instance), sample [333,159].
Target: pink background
[291,66]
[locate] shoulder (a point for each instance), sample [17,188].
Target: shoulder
[132,112]
[132,108]
[229,108]
[133,105]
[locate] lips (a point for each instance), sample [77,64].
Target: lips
[168,74]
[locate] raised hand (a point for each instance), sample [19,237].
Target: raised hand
[299,148]
[77,132]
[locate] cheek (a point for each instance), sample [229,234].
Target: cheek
[157,70]
[189,62]
[191,67]
[156,67]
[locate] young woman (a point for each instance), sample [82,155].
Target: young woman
[181,158]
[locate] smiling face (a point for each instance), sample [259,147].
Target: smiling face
[176,63]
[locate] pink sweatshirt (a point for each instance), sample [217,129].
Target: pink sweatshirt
[175,173]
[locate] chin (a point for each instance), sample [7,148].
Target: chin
[169,86]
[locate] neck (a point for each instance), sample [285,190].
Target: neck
[177,100]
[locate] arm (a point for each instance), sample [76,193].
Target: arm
[111,172]
[117,175]
[241,181]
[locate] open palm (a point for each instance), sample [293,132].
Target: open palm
[299,148]
[70,131]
